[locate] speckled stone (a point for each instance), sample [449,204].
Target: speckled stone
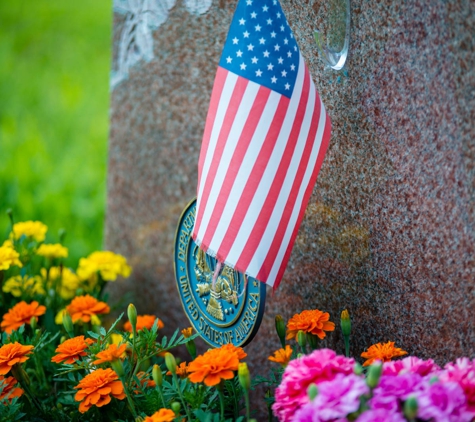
[389,232]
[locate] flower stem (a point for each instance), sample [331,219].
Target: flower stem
[248,408]
[347,345]
[129,399]
[221,400]
[175,380]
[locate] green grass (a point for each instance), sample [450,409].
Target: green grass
[54,100]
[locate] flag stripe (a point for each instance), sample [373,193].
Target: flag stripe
[275,280]
[282,158]
[218,86]
[229,138]
[217,152]
[289,195]
[237,160]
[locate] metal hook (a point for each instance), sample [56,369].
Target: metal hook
[336,59]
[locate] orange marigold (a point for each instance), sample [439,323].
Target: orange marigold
[313,322]
[187,332]
[383,352]
[72,349]
[181,370]
[13,353]
[111,354]
[9,388]
[213,366]
[82,308]
[282,356]
[145,381]
[21,314]
[231,348]
[163,415]
[144,321]
[97,388]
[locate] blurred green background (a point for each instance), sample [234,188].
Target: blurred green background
[54,99]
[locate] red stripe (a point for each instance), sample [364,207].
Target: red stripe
[233,107]
[254,179]
[269,203]
[236,162]
[308,192]
[290,203]
[219,81]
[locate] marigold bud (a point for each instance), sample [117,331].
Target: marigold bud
[358,369]
[301,339]
[118,367]
[410,408]
[176,406]
[374,374]
[33,322]
[244,376]
[345,323]
[157,375]
[280,328]
[170,363]
[312,391]
[191,347]
[132,315]
[68,324]
[312,341]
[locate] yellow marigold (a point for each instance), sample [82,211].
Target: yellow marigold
[83,308]
[72,349]
[34,229]
[314,322]
[382,352]
[213,366]
[68,281]
[10,389]
[21,314]
[187,332]
[53,250]
[282,356]
[144,321]
[11,354]
[20,285]
[108,264]
[116,339]
[97,388]
[111,354]
[9,257]
[163,415]
[181,370]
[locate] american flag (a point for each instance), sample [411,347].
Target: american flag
[265,138]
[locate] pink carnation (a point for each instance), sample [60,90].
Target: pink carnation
[321,365]
[335,400]
[380,415]
[410,364]
[463,373]
[443,402]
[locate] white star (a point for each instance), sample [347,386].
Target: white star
[280,60]
[249,2]
[273,79]
[284,73]
[243,66]
[292,67]
[246,34]
[287,86]
[265,9]
[235,40]
[295,48]
[258,28]
[291,35]
[258,72]
[286,41]
[278,14]
[253,15]
[270,66]
[262,40]
[274,2]
[282,28]
[269,21]
[266,53]
[273,34]
[242,21]
[250,47]
[229,59]
[289,54]
[254,60]
[239,53]
[276,47]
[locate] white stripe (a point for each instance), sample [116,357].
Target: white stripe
[275,219]
[224,101]
[298,204]
[246,167]
[230,143]
[269,173]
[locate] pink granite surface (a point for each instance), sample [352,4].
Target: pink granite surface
[389,232]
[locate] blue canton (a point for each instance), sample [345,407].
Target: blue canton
[261,46]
